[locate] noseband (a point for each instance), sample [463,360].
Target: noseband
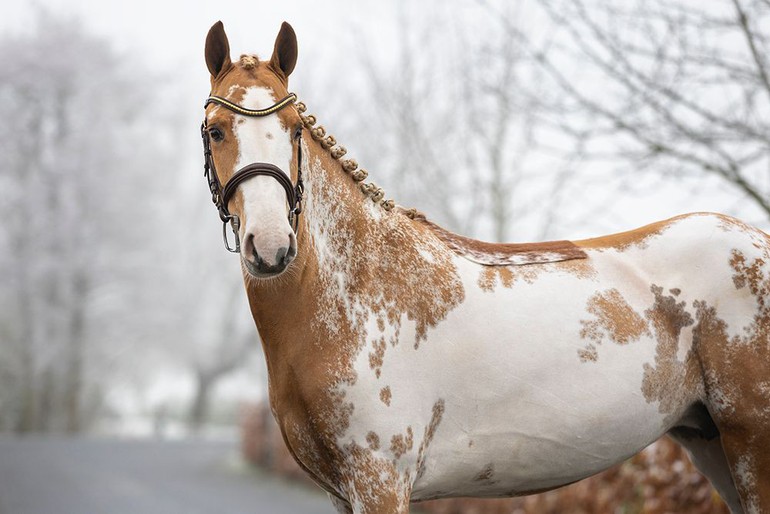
[221,195]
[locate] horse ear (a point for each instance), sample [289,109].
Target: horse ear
[217,50]
[285,51]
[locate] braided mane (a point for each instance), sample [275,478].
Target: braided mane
[249,62]
[488,254]
[350,166]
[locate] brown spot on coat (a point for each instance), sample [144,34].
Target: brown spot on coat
[751,275]
[400,444]
[614,319]
[589,353]
[377,357]
[385,395]
[669,381]
[373,440]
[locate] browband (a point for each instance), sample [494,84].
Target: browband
[227,104]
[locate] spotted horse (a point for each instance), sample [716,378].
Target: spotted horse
[407,363]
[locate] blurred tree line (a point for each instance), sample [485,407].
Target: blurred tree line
[75,217]
[63,96]
[536,118]
[95,290]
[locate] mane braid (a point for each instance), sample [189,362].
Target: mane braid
[350,166]
[249,62]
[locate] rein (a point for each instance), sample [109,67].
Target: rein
[221,195]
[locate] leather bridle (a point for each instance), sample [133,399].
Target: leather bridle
[221,195]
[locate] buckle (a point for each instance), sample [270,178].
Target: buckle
[235,224]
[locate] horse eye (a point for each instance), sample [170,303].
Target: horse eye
[216,134]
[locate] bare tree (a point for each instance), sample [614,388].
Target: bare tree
[679,88]
[449,122]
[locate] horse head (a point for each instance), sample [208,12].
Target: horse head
[252,146]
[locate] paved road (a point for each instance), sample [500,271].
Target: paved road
[84,476]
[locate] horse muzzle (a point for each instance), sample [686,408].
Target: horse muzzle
[268,260]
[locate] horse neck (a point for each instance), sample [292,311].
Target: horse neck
[358,267]
[334,236]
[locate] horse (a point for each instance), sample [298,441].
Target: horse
[408,363]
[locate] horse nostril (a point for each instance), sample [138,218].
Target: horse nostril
[282,255]
[248,246]
[257,259]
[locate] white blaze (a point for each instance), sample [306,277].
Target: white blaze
[263,139]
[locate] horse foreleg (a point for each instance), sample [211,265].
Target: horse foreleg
[748,452]
[738,400]
[735,371]
[707,455]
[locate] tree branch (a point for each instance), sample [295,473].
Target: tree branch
[750,40]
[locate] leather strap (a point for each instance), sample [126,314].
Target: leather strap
[254,169]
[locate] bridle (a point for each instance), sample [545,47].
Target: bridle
[221,195]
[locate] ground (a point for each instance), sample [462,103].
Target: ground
[82,476]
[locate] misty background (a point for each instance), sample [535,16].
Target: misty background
[121,313]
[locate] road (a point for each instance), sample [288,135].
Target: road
[84,476]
